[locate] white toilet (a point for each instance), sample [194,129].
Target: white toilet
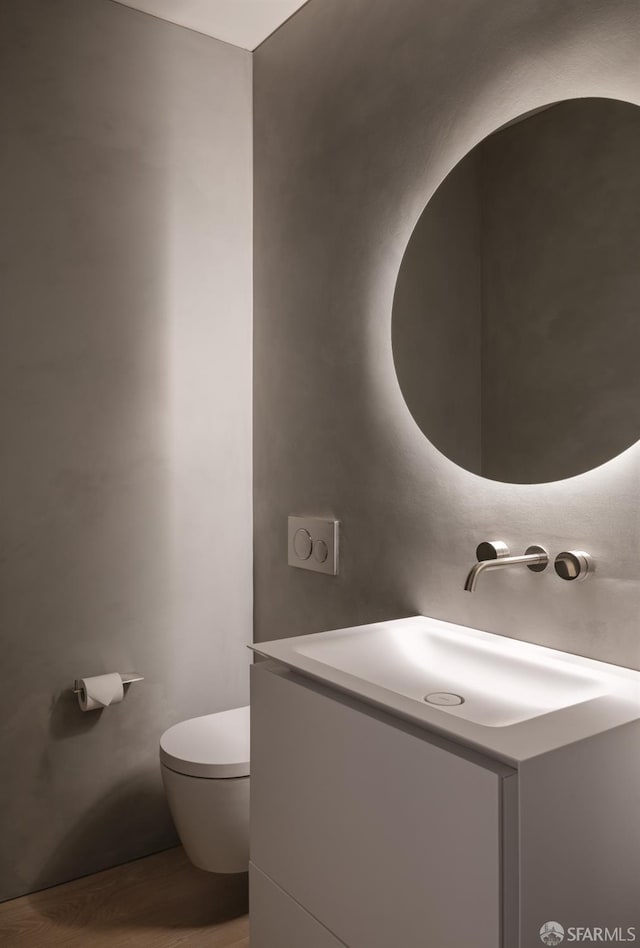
[205,771]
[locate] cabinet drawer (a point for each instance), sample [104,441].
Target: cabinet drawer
[279,922]
[378,830]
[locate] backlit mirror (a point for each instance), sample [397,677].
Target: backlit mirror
[516,316]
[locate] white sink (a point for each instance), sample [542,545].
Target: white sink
[494,681]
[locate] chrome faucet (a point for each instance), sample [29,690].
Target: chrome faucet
[496,555]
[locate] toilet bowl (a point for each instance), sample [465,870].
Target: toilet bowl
[205,772]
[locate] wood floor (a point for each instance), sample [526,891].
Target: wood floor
[158,902]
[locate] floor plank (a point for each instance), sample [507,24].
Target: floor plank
[158,902]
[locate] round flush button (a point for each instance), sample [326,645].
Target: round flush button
[320,551]
[302,544]
[445,699]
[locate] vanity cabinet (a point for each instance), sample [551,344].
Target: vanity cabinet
[373,829]
[279,922]
[380,822]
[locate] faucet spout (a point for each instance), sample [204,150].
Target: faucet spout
[535,557]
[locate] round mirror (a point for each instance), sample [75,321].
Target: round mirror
[516,316]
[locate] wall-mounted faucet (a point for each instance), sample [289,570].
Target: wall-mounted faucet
[496,555]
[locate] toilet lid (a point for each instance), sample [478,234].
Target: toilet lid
[215,745]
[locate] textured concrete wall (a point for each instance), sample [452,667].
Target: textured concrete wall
[361,108]
[125,483]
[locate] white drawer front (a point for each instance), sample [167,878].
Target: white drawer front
[279,922]
[387,838]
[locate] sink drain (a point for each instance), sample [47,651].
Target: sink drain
[445,699]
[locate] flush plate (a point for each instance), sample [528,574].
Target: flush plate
[313,544]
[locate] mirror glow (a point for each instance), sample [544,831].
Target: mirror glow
[515,325]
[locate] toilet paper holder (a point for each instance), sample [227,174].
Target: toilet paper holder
[126,680]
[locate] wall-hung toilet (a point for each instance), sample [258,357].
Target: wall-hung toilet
[205,771]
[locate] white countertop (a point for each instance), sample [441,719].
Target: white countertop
[520,700]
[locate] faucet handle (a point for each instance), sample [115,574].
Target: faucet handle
[573,564]
[543,562]
[492,550]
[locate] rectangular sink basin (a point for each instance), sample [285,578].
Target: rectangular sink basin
[478,677]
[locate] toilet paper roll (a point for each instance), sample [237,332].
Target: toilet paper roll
[100,691]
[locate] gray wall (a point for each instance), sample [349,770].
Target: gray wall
[361,108]
[125,482]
